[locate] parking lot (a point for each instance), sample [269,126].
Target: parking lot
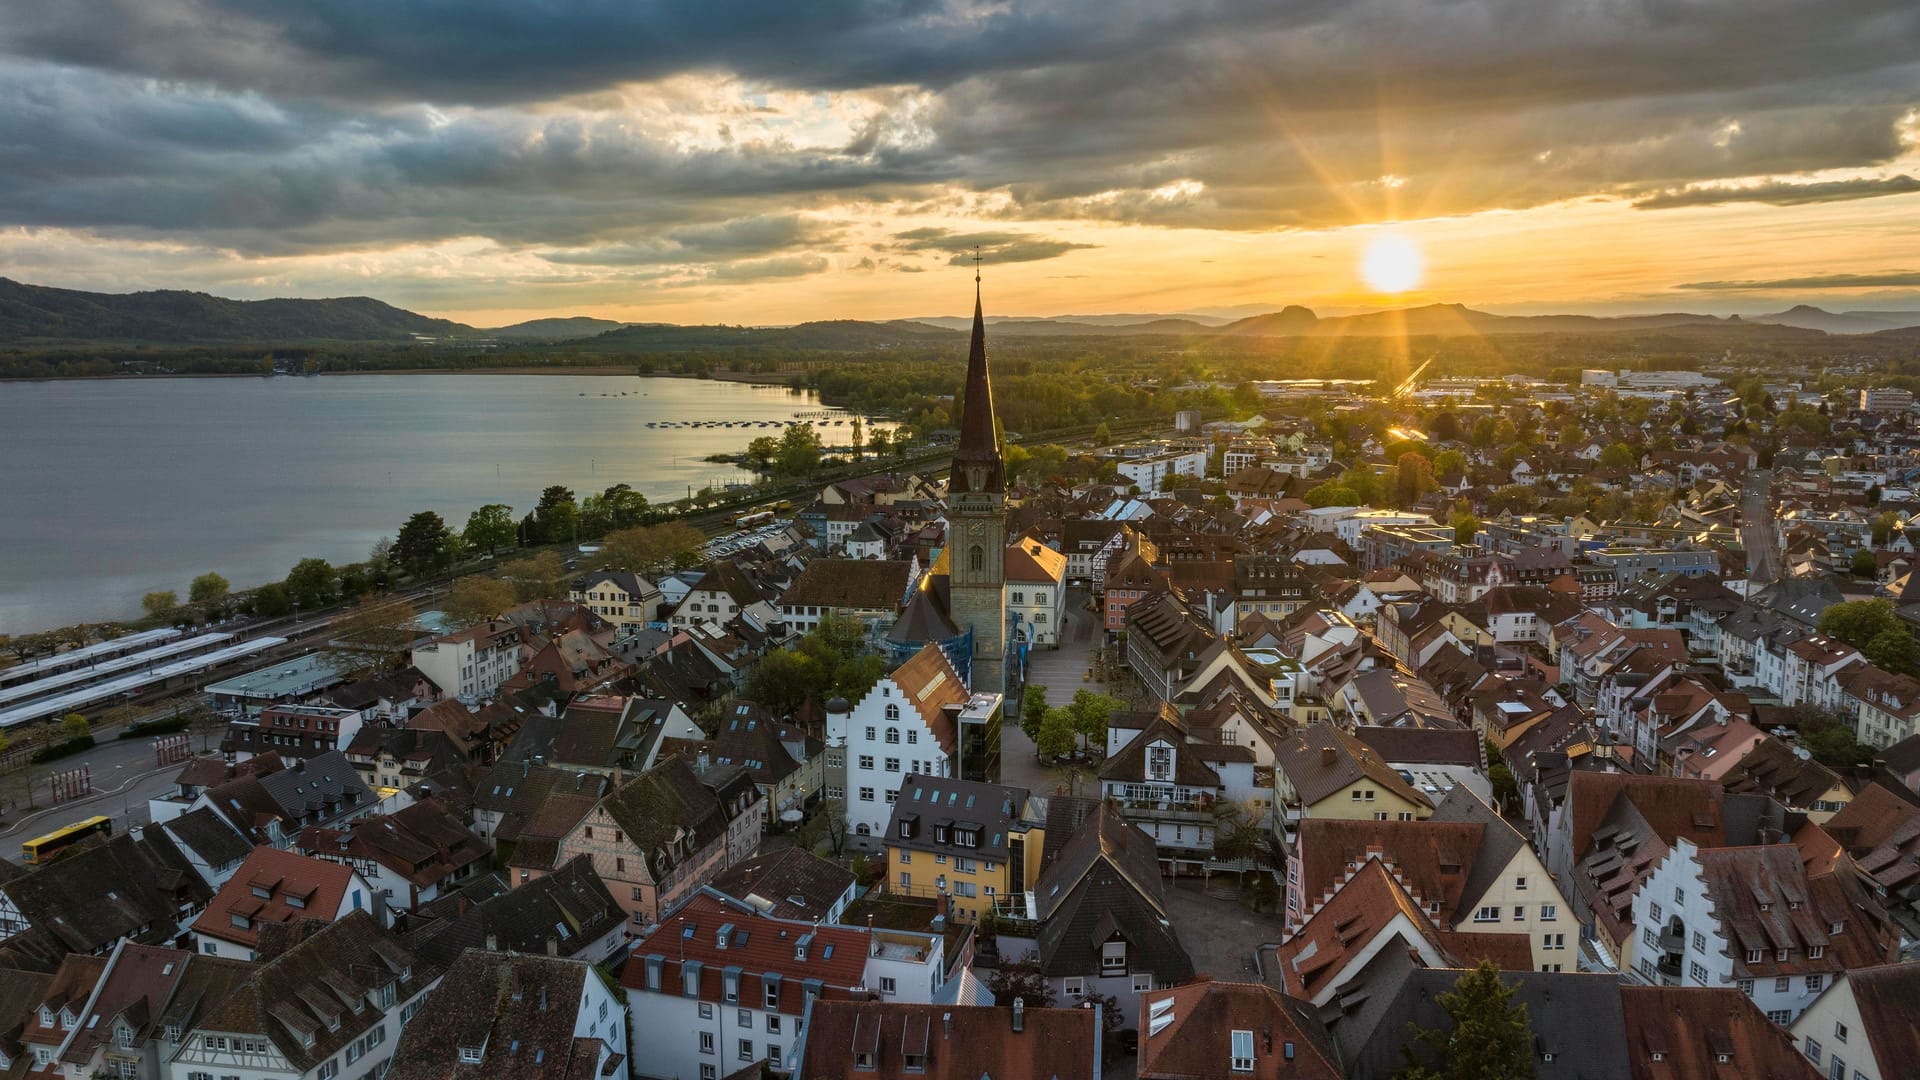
[732,543]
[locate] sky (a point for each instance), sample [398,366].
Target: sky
[772,161]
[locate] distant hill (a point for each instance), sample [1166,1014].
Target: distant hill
[1808,317]
[35,314]
[1452,320]
[1110,325]
[558,329]
[837,335]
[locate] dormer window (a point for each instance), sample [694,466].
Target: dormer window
[472,1055]
[863,1061]
[46,1016]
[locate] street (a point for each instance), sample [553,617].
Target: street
[124,778]
[1061,671]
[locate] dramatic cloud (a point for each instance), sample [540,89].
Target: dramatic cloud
[991,247]
[1889,280]
[653,143]
[1782,194]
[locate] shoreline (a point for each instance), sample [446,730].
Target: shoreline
[750,378]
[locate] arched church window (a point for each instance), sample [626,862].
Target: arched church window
[977,558]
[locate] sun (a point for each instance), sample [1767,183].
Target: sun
[1392,264]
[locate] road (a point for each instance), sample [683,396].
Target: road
[1756,526]
[124,778]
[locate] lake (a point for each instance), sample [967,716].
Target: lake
[115,488]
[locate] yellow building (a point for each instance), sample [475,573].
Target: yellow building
[976,844]
[622,598]
[1324,772]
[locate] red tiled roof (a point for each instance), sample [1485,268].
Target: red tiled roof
[952,1042]
[1692,1028]
[1289,1041]
[319,886]
[758,945]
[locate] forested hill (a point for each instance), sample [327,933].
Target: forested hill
[38,315]
[838,335]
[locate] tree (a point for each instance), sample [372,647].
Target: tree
[1465,525]
[209,593]
[1021,979]
[783,680]
[1863,563]
[761,450]
[421,544]
[1617,456]
[556,520]
[270,601]
[799,451]
[540,576]
[1488,1036]
[1883,526]
[75,726]
[1506,790]
[476,598]
[1449,463]
[880,441]
[312,583]
[1873,628]
[490,528]
[1056,733]
[161,604]
[373,636]
[1033,711]
[1089,712]
[1101,436]
[829,823]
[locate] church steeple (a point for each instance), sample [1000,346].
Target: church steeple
[976,462]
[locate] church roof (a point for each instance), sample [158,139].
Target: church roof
[976,460]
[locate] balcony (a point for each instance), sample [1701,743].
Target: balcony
[1668,967]
[1167,810]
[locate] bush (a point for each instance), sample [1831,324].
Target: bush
[56,751]
[167,726]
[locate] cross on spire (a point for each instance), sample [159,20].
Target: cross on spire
[976,264]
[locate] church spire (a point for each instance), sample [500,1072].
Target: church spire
[976,462]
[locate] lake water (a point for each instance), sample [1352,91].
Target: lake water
[113,488]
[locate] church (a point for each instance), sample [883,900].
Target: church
[961,604]
[951,633]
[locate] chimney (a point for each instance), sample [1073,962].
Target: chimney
[1019,1015]
[1327,756]
[553,946]
[493,942]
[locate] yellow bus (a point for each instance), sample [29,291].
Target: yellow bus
[42,848]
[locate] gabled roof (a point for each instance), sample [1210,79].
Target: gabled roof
[521,1010]
[1692,1028]
[297,888]
[1189,766]
[790,883]
[1885,996]
[950,1042]
[568,909]
[1430,860]
[854,584]
[932,687]
[121,888]
[1028,561]
[1106,881]
[1286,1037]
[305,998]
[1304,759]
[1499,843]
[664,806]
[1576,1018]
